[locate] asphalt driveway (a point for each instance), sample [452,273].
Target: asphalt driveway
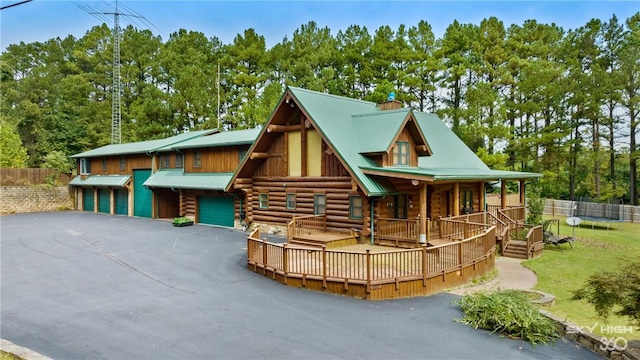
[80,285]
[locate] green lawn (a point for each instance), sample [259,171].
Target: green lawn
[596,250]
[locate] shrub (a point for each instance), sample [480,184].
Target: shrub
[607,290]
[507,312]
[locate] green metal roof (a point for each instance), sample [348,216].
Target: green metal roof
[448,151]
[142,147]
[454,173]
[369,126]
[177,179]
[227,138]
[101,180]
[353,127]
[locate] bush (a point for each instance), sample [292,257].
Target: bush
[507,312]
[535,205]
[610,289]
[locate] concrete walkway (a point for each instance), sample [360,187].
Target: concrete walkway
[511,275]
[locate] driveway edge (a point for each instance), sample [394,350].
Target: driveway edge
[21,352]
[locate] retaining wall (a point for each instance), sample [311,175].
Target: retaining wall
[34,198]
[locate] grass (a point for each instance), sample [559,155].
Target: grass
[8,356]
[596,250]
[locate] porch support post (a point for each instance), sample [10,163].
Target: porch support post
[522,191]
[154,204]
[503,194]
[423,212]
[80,198]
[95,200]
[112,202]
[481,195]
[456,199]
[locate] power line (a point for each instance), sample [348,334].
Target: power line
[16,4]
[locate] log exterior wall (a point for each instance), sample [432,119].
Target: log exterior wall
[336,189]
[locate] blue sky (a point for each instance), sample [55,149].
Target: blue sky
[41,20]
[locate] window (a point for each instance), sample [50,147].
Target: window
[166,161]
[104,164]
[291,201]
[319,204]
[401,153]
[264,201]
[85,167]
[197,159]
[355,207]
[466,202]
[178,161]
[123,163]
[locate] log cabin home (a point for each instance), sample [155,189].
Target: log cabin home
[193,174]
[381,172]
[111,178]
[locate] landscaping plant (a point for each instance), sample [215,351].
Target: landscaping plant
[508,312]
[609,289]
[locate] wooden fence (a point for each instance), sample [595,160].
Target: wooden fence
[566,208]
[374,275]
[30,176]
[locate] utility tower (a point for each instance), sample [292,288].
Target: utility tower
[116,116]
[100,10]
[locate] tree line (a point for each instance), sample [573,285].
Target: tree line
[530,97]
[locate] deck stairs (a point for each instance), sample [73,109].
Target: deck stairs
[516,249]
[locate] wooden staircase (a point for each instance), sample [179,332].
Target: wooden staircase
[326,239]
[516,249]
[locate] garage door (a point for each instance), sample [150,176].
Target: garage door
[104,205]
[122,202]
[141,195]
[87,199]
[216,210]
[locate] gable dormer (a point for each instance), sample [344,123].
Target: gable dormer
[391,138]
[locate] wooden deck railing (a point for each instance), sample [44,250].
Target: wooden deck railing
[534,235]
[304,225]
[479,217]
[515,213]
[458,230]
[342,268]
[502,230]
[493,209]
[399,230]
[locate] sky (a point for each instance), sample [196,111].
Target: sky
[41,20]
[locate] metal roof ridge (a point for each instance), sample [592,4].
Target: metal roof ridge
[331,95]
[382,112]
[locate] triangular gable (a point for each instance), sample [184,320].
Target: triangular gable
[330,116]
[250,162]
[410,123]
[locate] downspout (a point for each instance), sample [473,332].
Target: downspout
[373,211]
